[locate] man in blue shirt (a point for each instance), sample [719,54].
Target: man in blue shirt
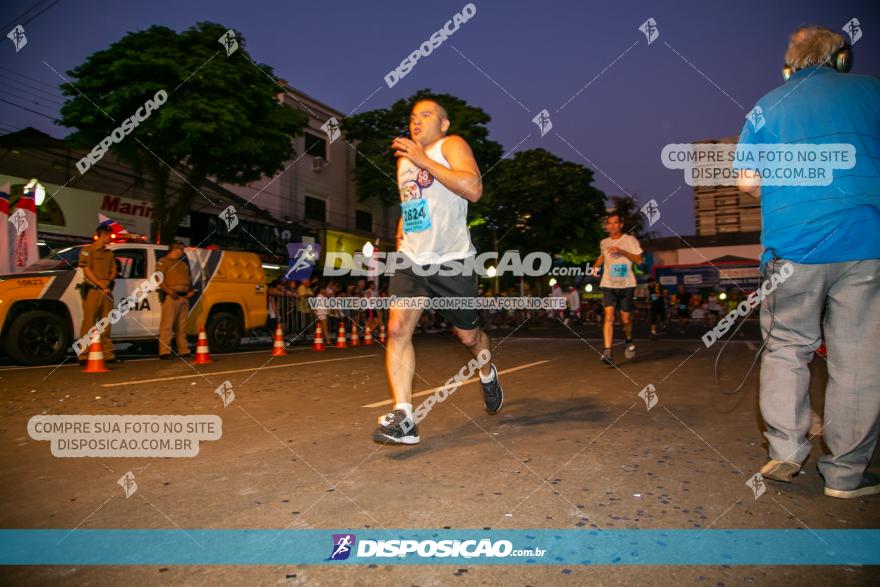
[825,222]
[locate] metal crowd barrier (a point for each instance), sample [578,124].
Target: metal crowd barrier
[298,320]
[288,310]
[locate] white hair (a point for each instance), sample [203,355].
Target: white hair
[812,45]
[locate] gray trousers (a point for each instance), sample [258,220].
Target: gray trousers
[839,302]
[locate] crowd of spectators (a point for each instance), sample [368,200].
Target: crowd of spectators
[289,303]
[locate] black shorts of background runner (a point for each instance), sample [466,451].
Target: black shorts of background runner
[406,284]
[619,297]
[658,312]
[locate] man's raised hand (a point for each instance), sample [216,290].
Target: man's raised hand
[408,148]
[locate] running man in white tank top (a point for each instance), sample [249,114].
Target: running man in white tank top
[437,176]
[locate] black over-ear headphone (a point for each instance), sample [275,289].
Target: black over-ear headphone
[842,61]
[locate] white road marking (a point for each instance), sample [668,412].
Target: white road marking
[473,380]
[212,373]
[599,340]
[565,339]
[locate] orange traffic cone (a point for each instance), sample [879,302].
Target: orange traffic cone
[381,334]
[355,339]
[319,339]
[95,363]
[202,355]
[340,338]
[368,338]
[278,345]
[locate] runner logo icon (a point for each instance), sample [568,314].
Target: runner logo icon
[343,544]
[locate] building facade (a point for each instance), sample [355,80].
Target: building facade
[317,189]
[313,199]
[723,209]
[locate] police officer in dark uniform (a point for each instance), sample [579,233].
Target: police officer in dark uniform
[98,264]
[176,290]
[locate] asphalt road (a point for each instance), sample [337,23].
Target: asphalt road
[574,447]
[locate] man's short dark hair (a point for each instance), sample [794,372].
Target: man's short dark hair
[613,214]
[444,115]
[176,245]
[103,229]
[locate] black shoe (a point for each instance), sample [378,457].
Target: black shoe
[396,428]
[82,362]
[166,357]
[493,395]
[186,356]
[606,358]
[870,485]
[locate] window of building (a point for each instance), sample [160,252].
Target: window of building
[316,146]
[316,209]
[49,212]
[363,220]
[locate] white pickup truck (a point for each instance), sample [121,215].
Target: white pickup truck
[41,309]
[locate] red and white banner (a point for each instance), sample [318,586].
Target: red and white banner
[114,226]
[23,228]
[4,230]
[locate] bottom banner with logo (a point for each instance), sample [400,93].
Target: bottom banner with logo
[391,547]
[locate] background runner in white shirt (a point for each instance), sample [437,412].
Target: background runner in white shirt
[619,253]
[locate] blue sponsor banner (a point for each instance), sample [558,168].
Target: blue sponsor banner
[302,258]
[695,278]
[472,547]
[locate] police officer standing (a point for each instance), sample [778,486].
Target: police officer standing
[99,267]
[176,290]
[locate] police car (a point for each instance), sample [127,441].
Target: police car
[41,309]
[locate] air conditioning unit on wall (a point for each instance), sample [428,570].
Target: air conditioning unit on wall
[319,164]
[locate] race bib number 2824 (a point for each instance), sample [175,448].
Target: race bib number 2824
[416,215]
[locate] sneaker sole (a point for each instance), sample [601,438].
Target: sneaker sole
[782,471]
[385,439]
[851,493]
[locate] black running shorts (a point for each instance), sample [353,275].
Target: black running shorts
[619,297]
[405,283]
